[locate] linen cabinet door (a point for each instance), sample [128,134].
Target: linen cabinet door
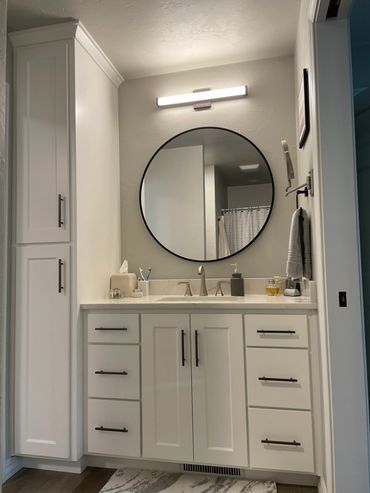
[166,387]
[42,351]
[219,406]
[42,143]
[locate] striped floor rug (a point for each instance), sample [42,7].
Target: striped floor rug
[144,481]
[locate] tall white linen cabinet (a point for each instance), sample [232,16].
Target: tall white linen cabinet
[66,235]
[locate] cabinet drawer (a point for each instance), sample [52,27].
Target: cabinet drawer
[292,428]
[278,378]
[113,372]
[121,428]
[276,330]
[113,328]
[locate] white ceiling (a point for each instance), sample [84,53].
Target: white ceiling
[150,37]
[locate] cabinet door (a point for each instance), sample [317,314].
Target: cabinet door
[42,148]
[166,387]
[42,351]
[219,406]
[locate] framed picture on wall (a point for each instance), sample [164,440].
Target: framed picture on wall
[303,110]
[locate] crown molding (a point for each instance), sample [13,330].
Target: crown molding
[90,45]
[68,30]
[45,34]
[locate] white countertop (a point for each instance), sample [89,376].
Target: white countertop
[252,301]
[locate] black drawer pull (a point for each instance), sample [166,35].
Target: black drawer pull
[196,349]
[60,202]
[263,331]
[182,347]
[280,442]
[273,379]
[118,430]
[111,328]
[60,282]
[102,372]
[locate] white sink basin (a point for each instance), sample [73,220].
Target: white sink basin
[196,299]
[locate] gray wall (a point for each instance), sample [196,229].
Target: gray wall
[265,117]
[249,195]
[3,5]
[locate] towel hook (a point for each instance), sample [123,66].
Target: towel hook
[299,192]
[307,188]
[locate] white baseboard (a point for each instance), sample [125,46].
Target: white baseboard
[76,467]
[12,466]
[79,466]
[279,477]
[116,463]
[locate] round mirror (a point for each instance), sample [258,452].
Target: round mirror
[206,194]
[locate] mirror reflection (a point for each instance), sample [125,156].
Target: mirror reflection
[207,194]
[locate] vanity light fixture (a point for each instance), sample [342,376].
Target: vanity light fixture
[202,96]
[248,167]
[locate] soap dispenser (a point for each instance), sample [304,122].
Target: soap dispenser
[236,282]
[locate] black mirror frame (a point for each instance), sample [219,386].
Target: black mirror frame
[260,231]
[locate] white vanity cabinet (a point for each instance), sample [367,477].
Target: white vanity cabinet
[113,385]
[65,236]
[219,406]
[230,388]
[166,387]
[279,392]
[194,389]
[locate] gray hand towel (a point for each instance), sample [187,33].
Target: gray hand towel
[299,250]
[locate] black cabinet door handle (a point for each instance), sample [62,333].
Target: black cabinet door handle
[273,379]
[111,328]
[183,347]
[60,204]
[103,372]
[60,283]
[281,442]
[118,430]
[196,349]
[263,331]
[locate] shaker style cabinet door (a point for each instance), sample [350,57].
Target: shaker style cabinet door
[42,143]
[166,387]
[219,406]
[42,351]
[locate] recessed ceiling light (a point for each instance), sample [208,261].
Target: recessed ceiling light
[249,167]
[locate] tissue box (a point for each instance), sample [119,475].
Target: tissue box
[126,283]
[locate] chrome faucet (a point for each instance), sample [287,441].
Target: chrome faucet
[203,286]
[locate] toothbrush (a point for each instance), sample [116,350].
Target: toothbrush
[149,272]
[141,274]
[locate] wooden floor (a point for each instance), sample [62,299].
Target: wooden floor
[90,481]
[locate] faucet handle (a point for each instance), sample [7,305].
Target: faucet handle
[188,288]
[219,287]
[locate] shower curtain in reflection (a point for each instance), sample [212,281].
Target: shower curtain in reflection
[243,225]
